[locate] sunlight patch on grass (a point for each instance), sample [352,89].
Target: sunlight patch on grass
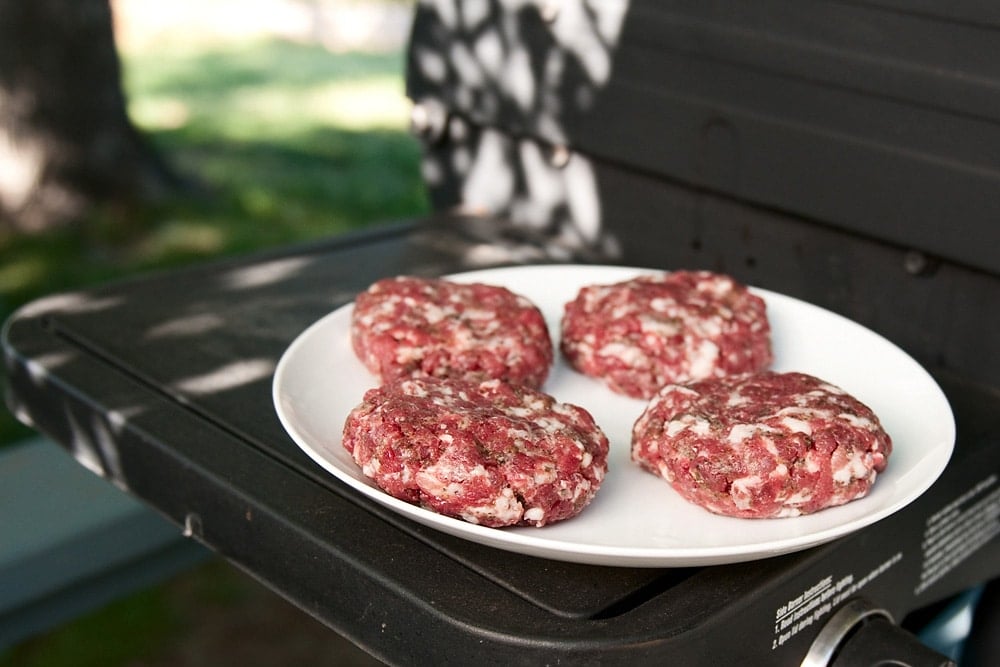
[360,106]
[160,113]
[17,274]
[144,26]
[239,93]
[182,238]
[275,113]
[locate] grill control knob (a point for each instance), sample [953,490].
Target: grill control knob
[862,635]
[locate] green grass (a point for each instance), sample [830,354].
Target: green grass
[142,623]
[287,142]
[143,628]
[293,142]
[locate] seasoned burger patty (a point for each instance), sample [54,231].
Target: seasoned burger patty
[415,327]
[641,334]
[764,445]
[490,453]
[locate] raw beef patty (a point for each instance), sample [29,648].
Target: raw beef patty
[420,327]
[759,446]
[641,334]
[490,453]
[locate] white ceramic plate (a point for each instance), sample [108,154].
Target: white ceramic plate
[637,519]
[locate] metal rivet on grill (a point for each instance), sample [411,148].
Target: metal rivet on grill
[192,525]
[917,263]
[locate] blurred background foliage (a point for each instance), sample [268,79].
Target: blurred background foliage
[288,120]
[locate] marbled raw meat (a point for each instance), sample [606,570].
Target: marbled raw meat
[762,445]
[490,453]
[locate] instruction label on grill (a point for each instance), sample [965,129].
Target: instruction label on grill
[960,528]
[817,601]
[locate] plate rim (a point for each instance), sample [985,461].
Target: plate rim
[603,554]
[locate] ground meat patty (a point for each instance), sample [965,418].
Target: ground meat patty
[759,446]
[490,453]
[413,327]
[641,334]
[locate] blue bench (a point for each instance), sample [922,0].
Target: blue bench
[71,542]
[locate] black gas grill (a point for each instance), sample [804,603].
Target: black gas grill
[844,153]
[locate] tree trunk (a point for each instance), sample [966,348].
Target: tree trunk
[66,142]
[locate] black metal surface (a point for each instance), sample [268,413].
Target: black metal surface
[841,152]
[882,119]
[120,376]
